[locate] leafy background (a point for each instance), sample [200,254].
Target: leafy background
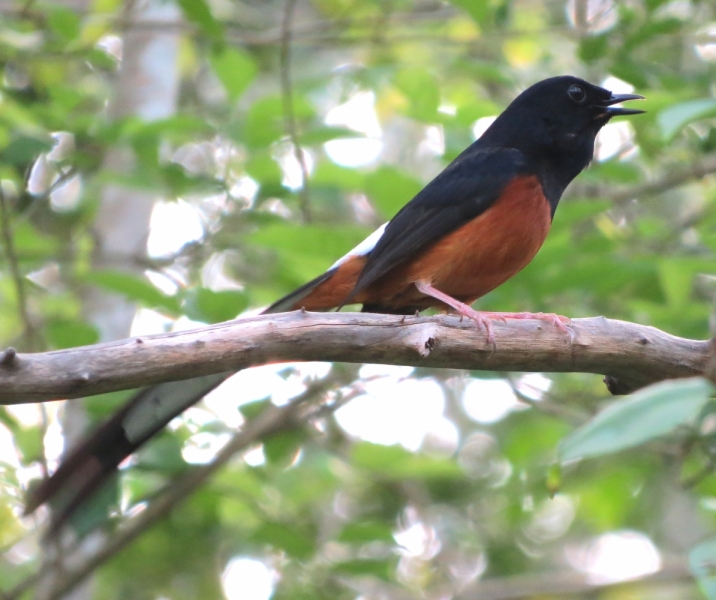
[476,506]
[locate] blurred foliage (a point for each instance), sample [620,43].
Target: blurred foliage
[331,515]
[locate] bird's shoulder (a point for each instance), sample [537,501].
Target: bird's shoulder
[472,180]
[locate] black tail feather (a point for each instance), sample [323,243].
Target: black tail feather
[86,467]
[89,465]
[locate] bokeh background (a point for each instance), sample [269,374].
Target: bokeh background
[166,165]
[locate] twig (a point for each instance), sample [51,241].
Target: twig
[518,587]
[634,354]
[9,244]
[289,114]
[703,167]
[563,411]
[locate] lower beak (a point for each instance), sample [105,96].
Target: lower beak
[615,111]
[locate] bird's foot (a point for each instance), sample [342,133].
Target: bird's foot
[483,320]
[560,322]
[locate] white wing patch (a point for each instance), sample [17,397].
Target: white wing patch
[363,248]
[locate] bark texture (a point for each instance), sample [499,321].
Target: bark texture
[635,355]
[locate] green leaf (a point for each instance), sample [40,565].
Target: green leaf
[251,410]
[390,189]
[203,304]
[198,11]
[94,511]
[672,119]
[675,281]
[579,210]
[366,531]
[10,529]
[702,563]
[282,447]
[643,416]
[265,120]
[29,241]
[235,68]
[179,183]
[176,128]
[397,462]
[64,22]
[101,406]
[479,10]
[69,334]
[134,288]
[321,241]
[382,569]
[614,170]
[295,540]
[101,60]
[264,169]
[330,174]
[163,454]
[8,420]
[29,443]
[320,135]
[422,91]
[24,149]
[593,47]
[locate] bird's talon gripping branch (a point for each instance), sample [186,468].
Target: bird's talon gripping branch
[462,309]
[559,321]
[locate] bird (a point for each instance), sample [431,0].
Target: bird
[475,225]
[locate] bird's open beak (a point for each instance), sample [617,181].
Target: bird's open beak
[615,111]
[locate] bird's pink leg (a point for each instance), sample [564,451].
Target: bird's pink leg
[481,318]
[484,319]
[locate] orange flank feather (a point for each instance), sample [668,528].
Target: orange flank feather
[466,264]
[335,290]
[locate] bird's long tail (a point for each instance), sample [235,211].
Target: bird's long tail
[91,462]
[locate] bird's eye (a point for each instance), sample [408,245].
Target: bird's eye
[577,93]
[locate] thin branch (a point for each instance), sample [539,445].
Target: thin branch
[547,405]
[636,355]
[289,114]
[620,195]
[19,282]
[522,587]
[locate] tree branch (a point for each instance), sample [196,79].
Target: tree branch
[635,355]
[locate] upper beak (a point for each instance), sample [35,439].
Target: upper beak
[614,111]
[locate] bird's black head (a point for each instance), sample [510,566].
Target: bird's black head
[554,124]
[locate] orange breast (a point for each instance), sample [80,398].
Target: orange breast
[477,257]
